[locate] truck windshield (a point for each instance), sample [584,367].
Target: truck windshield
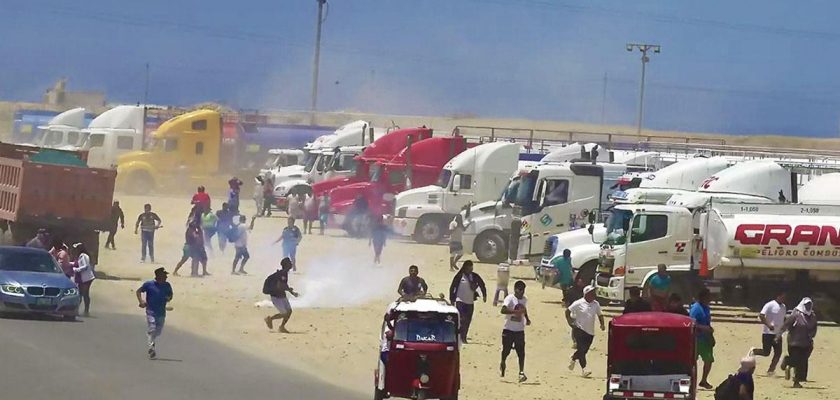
[525,193]
[375,172]
[311,158]
[618,222]
[509,193]
[443,179]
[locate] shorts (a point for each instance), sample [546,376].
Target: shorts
[704,350]
[198,254]
[281,304]
[186,251]
[513,339]
[456,249]
[241,253]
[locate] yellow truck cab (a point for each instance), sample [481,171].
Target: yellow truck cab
[183,149]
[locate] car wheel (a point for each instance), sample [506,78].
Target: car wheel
[429,230]
[490,247]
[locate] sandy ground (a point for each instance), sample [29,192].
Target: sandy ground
[336,322]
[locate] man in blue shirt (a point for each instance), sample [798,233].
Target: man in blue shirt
[659,288]
[290,237]
[158,293]
[702,316]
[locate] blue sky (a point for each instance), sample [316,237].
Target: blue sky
[736,67]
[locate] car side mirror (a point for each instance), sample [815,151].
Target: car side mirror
[456,183]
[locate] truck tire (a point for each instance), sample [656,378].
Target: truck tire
[587,271]
[429,230]
[139,183]
[490,247]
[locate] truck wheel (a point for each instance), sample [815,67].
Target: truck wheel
[587,271]
[490,247]
[139,183]
[429,230]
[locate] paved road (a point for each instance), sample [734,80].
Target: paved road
[105,358]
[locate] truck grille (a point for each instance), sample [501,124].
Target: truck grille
[42,291]
[602,280]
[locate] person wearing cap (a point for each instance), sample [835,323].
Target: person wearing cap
[158,294]
[40,241]
[276,286]
[581,318]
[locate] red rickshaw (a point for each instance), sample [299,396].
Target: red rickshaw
[651,355]
[419,354]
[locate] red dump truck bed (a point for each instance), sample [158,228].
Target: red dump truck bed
[50,194]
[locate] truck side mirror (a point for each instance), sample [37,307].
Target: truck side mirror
[591,229]
[456,183]
[591,217]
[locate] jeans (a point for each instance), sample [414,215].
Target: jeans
[291,252]
[110,240]
[584,341]
[466,312]
[147,241]
[768,342]
[154,325]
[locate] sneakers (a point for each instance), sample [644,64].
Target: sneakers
[586,374]
[571,364]
[522,377]
[752,352]
[152,354]
[797,385]
[705,385]
[242,272]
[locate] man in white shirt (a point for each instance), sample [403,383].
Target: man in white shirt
[463,292]
[581,318]
[241,244]
[513,335]
[772,316]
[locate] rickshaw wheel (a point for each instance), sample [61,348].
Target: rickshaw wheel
[378,394]
[422,394]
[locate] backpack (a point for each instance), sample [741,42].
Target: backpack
[728,389]
[270,284]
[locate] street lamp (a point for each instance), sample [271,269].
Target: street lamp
[644,48]
[317,58]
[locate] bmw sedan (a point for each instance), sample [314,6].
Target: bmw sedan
[32,282]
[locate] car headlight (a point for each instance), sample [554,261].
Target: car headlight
[71,292]
[15,290]
[424,379]
[281,189]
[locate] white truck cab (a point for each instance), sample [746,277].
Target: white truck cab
[62,131]
[641,236]
[113,133]
[279,158]
[475,175]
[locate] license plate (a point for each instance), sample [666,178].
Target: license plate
[44,302]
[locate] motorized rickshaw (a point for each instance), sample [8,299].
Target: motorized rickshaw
[651,355]
[419,354]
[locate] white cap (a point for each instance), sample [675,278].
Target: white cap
[588,289]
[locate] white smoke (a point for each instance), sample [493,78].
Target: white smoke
[346,281]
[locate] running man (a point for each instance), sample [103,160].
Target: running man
[456,236]
[291,238]
[772,316]
[241,244]
[276,286]
[117,221]
[513,335]
[581,318]
[463,292]
[158,294]
[147,222]
[702,315]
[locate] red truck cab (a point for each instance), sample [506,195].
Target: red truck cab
[382,149]
[417,165]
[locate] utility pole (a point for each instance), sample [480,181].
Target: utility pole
[644,48]
[315,62]
[146,91]
[604,101]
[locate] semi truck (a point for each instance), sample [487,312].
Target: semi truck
[419,164]
[476,175]
[657,188]
[198,148]
[55,190]
[641,236]
[113,133]
[62,131]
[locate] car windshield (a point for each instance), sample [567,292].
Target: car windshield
[445,176]
[28,262]
[426,331]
